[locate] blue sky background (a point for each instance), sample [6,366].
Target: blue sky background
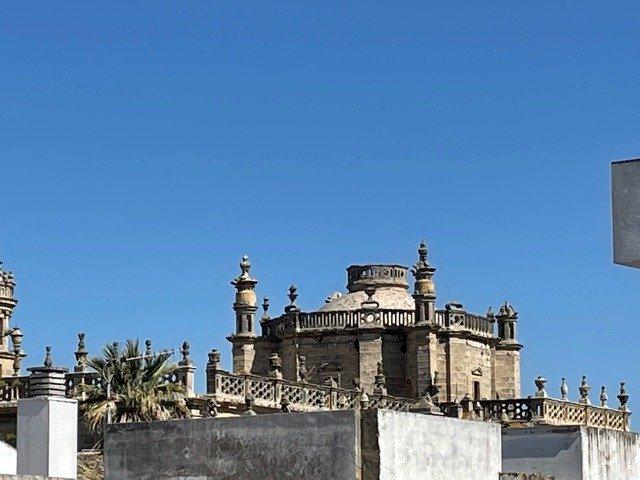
[145,146]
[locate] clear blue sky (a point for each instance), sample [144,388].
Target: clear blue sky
[145,146]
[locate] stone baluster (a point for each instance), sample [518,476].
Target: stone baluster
[186,370]
[623,398]
[604,397]
[564,390]
[584,391]
[541,384]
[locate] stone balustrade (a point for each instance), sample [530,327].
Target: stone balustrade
[12,389]
[540,411]
[276,394]
[388,318]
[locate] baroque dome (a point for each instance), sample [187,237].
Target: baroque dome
[396,298]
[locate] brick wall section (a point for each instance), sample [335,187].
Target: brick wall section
[506,370]
[393,346]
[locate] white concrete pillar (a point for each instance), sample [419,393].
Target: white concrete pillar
[48,437]
[47,425]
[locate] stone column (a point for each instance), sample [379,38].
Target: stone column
[370,330]
[47,425]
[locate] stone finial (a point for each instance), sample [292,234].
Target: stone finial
[302,368]
[275,365]
[584,391]
[81,354]
[507,310]
[265,309]
[214,360]
[245,266]
[541,384]
[249,402]
[48,360]
[148,352]
[184,351]
[623,398]
[422,254]
[284,405]
[604,397]
[342,402]
[564,390]
[293,296]
[380,381]
[16,338]
[370,303]
[490,315]
[364,401]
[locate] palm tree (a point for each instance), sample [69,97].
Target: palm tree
[138,391]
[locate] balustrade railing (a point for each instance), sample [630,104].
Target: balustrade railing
[12,389]
[302,321]
[273,393]
[541,411]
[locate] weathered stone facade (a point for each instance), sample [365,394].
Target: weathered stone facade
[378,329]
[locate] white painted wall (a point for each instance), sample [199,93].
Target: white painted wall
[610,455]
[48,437]
[8,459]
[414,446]
[572,453]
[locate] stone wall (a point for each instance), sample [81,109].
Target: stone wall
[469,362]
[349,445]
[331,356]
[572,453]
[506,373]
[310,446]
[393,353]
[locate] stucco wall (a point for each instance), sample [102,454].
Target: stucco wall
[310,446]
[8,459]
[572,453]
[413,446]
[610,455]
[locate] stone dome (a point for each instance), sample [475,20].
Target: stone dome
[396,298]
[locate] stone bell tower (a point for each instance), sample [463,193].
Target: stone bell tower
[245,306]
